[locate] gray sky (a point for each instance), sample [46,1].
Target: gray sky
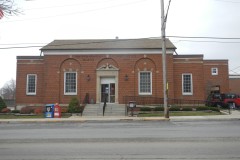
[43,21]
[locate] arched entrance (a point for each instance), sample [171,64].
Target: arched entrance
[107,83]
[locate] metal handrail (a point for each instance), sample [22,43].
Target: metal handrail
[105,103]
[156,101]
[144,100]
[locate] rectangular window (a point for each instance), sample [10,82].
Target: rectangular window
[214,71]
[70,83]
[187,84]
[31,84]
[145,83]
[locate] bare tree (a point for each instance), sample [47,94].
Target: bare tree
[8,8]
[9,90]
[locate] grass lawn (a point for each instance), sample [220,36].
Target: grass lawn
[182,113]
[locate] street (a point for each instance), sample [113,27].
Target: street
[121,140]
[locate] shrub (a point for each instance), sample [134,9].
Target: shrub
[158,109]
[15,111]
[174,109]
[74,106]
[64,110]
[38,110]
[26,110]
[145,109]
[203,108]
[2,104]
[5,110]
[187,109]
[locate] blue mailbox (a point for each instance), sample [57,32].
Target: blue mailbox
[49,111]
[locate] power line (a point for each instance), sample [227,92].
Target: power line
[227,1]
[198,41]
[21,47]
[69,5]
[82,12]
[191,37]
[113,40]
[79,43]
[211,39]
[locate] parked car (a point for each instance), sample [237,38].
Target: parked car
[224,100]
[214,100]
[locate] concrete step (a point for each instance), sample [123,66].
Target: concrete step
[110,110]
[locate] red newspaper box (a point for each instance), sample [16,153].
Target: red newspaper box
[57,111]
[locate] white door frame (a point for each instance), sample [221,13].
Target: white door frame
[106,74]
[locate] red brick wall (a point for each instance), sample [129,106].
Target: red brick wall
[192,66]
[222,79]
[234,86]
[50,76]
[25,67]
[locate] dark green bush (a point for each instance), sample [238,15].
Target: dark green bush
[74,106]
[158,109]
[15,111]
[203,108]
[2,104]
[145,109]
[174,108]
[187,109]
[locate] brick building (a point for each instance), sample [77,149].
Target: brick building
[119,67]
[234,81]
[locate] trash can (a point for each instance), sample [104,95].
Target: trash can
[132,105]
[49,111]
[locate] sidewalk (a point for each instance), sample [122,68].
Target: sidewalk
[235,115]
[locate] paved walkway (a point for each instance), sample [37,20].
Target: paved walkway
[235,115]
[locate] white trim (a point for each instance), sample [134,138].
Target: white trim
[234,76]
[31,93]
[105,51]
[187,93]
[70,93]
[187,58]
[215,64]
[216,71]
[107,80]
[144,93]
[201,62]
[30,59]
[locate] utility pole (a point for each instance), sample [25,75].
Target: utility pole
[163,27]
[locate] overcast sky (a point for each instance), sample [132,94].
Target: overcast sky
[43,21]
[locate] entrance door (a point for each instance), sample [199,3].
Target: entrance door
[108,89]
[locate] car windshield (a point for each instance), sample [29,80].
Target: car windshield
[230,96]
[216,96]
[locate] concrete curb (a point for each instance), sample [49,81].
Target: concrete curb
[115,119]
[83,119]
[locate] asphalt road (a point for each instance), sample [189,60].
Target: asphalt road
[121,140]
